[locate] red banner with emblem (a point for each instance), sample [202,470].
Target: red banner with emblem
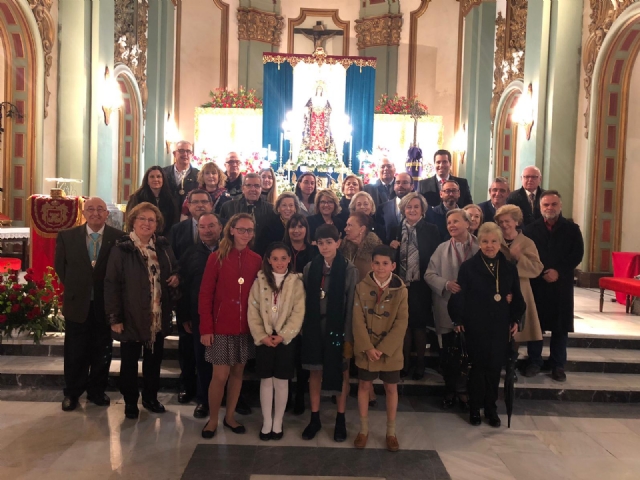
[48,215]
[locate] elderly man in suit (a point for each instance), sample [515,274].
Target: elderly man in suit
[430,187]
[528,197]
[181,176]
[81,263]
[251,203]
[561,247]
[234,179]
[183,236]
[498,192]
[383,190]
[388,214]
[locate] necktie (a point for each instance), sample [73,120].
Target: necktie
[94,248]
[251,209]
[532,200]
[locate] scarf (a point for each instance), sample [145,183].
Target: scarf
[327,351]
[409,255]
[150,257]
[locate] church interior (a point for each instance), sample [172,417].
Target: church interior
[95,92]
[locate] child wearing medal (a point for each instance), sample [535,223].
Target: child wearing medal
[276,312]
[487,308]
[327,337]
[224,329]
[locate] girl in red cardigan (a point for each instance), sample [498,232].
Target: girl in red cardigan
[222,305]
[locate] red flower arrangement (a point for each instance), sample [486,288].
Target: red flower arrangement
[223,98]
[397,105]
[32,307]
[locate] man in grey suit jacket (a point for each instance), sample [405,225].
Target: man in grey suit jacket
[181,176]
[81,263]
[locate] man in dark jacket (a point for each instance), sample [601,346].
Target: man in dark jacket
[251,203]
[81,263]
[234,178]
[192,264]
[528,197]
[181,176]
[498,192]
[388,214]
[384,189]
[561,247]
[182,237]
[430,187]
[450,195]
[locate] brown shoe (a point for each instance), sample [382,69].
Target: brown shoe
[392,443]
[361,440]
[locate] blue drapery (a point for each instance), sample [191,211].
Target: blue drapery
[359,106]
[277,100]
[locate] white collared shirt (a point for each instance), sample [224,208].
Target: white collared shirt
[179,176]
[439,180]
[384,284]
[89,232]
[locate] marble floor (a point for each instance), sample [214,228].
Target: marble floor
[550,440]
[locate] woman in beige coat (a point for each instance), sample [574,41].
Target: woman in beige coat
[275,314]
[521,250]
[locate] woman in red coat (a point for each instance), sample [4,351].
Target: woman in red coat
[224,330]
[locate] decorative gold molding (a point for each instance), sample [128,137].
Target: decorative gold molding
[509,56]
[319,57]
[380,30]
[467,5]
[131,42]
[319,12]
[42,12]
[413,45]
[254,24]
[603,14]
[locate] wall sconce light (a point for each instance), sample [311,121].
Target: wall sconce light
[460,143]
[171,132]
[523,112]
[112,96]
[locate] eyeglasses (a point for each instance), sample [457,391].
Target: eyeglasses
[403,183]
[325,202]
[93,210]
[386,166]
[146,220]
[451,191]
[199,202]
[498,190]
[232,162]
[182,151]
[530,177]
[242,231]
[252,185]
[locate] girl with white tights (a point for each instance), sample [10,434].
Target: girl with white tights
[276,312]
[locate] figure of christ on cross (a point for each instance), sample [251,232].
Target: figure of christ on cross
[318,34]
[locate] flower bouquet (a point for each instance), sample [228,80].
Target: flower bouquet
[398,105]
[223,98]
[318,161]
[32,307]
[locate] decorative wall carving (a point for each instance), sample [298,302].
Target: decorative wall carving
[130,40]
[509,56]
[603,14]
[257,25]
[380,30]
[467,5]
[42,11]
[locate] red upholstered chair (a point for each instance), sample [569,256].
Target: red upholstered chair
[629,286]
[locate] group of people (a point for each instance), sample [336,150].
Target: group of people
[304,283]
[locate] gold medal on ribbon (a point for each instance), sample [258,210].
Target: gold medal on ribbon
[181,192]
[241,280]
[93,263]
[321,293]
[497,297]
[274,309]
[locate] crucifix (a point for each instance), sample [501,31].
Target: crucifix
[318,34]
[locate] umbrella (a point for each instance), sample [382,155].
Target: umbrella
[510,379]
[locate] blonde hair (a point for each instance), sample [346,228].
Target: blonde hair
[357,178]
[356,196]
[227,242]
[273,193]
[332,196]
[512,210]
[410,196]
[477,207]
[489,229]
[206,167]
[142,207]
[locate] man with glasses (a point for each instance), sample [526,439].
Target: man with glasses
[498,193]
[234,179]
[383,190]
[251,203]
[528,197]
[182,236]
[81,263]
[450,198]
[431,187]
[181,176]
[388,214]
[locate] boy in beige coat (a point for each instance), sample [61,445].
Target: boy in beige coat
[380,319]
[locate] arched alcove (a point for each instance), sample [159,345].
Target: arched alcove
[505,135]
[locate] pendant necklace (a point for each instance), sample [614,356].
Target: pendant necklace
[274,309]
[497,297]
[241,279]
[322,292]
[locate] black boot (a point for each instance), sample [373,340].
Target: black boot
[340,431]
[313,427]
[474,417]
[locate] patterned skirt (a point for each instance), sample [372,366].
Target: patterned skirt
[230,349]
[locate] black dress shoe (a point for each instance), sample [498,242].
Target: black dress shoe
[418,373]
[311,430]
[558,374]
[340,432]
[131,411]
[448,403]
[201,411]
[207,433]
[69,404]
[184,397]
[474,417]
[265,437]
[494,419]
[242,407]
[153,406]
[101,400]
[239,429]
[277,436]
